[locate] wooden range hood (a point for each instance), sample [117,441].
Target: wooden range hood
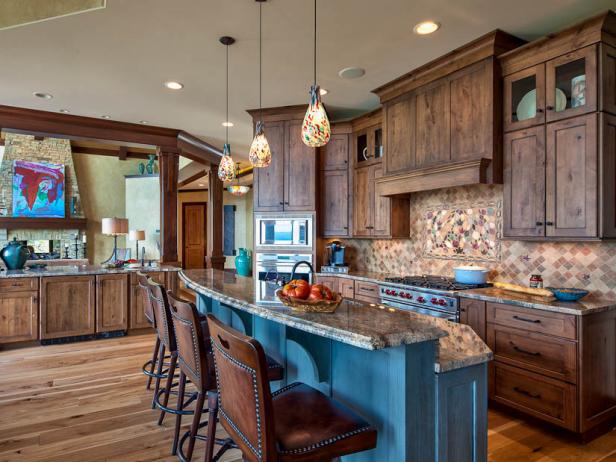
[442,122]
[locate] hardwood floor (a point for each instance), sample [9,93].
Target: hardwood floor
[87,402]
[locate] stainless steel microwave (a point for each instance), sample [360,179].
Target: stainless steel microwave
[288,231]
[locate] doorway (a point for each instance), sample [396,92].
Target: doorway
[193,234]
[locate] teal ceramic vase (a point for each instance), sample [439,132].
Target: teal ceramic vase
[14,255]
[243,263]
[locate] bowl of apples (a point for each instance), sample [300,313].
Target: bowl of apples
[299,295]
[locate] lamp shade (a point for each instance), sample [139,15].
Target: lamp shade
[115,226]
[136,235]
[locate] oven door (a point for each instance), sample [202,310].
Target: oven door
[271,266]
[448,315]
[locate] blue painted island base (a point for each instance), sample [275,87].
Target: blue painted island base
[419,415]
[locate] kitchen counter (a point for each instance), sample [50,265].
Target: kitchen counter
[585,306]
[397,368]
[81,270]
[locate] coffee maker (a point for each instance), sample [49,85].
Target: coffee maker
[335,258]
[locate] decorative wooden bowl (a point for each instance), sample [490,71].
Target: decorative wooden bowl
[308,306]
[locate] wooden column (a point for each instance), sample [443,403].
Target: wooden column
[215,258]
[169,171]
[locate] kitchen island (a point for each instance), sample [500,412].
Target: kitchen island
[421,381]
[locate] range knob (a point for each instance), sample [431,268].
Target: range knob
[442,302]
[409,296]
[434,300]
[421,299]
[388,292]
[394,293]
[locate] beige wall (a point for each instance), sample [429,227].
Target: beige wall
[143,212]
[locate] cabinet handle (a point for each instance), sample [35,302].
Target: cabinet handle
[521,350]
[281,203]
[539,223]
[286,203]
[520,318]
[550,108]
[345,227]
[540,110]
[367,289]
[462,310]
[549,223]
[527,393]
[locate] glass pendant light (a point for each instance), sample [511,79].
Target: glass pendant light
[260,154]
[238,189]
[315,129]
[226,169]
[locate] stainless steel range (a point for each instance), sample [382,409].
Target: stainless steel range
[431,295]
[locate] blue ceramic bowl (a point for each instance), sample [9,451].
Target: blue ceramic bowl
[567,294]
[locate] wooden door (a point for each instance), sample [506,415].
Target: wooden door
[519,109]
[335,203]
[335,154]
[67,306]
[567,76]
[381,223]
[608,79]
[608,174]
[524,183]
[111,302]
[194,234]
[269,181]
[400,134]
[473,314]
[432,127]
[137,313]
[571,178]
[363,203]
[18,316]
[471,122]
[300,167]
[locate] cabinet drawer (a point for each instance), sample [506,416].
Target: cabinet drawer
[347,288]
[367,292]
[18,284]
[537,352]
[544,322]
[539,396]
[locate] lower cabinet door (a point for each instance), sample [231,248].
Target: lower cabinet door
[328,281]
[347,288]
[67,306]
[111,302]
[18,316]
[137,314]
[542,397]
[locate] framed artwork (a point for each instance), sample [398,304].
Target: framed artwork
[38,190]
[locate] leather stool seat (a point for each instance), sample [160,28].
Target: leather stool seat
[303,435]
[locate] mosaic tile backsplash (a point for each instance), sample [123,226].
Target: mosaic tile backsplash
[589,265]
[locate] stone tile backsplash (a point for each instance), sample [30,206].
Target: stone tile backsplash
[590,265]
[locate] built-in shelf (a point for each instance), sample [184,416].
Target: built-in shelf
[42,223]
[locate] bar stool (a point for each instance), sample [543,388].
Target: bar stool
[148,367]
[296,423]
[196,364]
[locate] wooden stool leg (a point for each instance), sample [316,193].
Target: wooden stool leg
[194,428]
[212,404]
[178,417]
[153,365]
[174,359]
[159,371]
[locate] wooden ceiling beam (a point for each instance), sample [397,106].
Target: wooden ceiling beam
[198,150]
[123,155]
[190,179]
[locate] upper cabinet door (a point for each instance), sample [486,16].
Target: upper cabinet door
[524,183]
[608,66]
[524,98]
[269,181]
[335,203]
[571,178]
[471,121]
[300,171]
[363,205]
[335,154]
[432,125]
[571,84]
[399,117]
[382,206]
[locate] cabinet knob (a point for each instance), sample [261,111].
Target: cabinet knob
[540,110]
[281,203]
[345,227]
[549,223]
[286,203]
[550,108]
[539,223]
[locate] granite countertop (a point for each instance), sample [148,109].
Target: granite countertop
[587,305]
[356,323]
[78,270]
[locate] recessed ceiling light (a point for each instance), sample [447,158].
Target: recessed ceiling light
[227,124]
[105,116]
[172,85]
[426,27]
[42,95]
[352,72]
[143,122]
[323,91]
[64,111]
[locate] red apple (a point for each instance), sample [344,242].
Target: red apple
[320,292]
[297,288]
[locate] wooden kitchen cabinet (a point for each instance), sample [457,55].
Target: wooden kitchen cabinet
[521,87]
[367,292]
[399,116]
[368,147]
[363,202]
[19,310]
[607,102]
[473,314]
[432,124]
[112,302]
[67,306]
[289,183]
[347,288]
[137,319]
[331,282]
[335,154]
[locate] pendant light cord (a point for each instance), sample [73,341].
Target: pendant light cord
[260,61]
[315,43]
[227,120]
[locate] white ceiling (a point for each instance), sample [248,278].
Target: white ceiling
[114,61]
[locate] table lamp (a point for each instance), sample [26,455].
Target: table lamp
[114,227]
[136,235]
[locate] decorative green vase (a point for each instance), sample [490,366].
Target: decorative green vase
[14,255]
[243,263]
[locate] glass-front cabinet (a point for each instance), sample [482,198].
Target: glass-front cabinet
[524,98]
[571,84]
[369,145]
